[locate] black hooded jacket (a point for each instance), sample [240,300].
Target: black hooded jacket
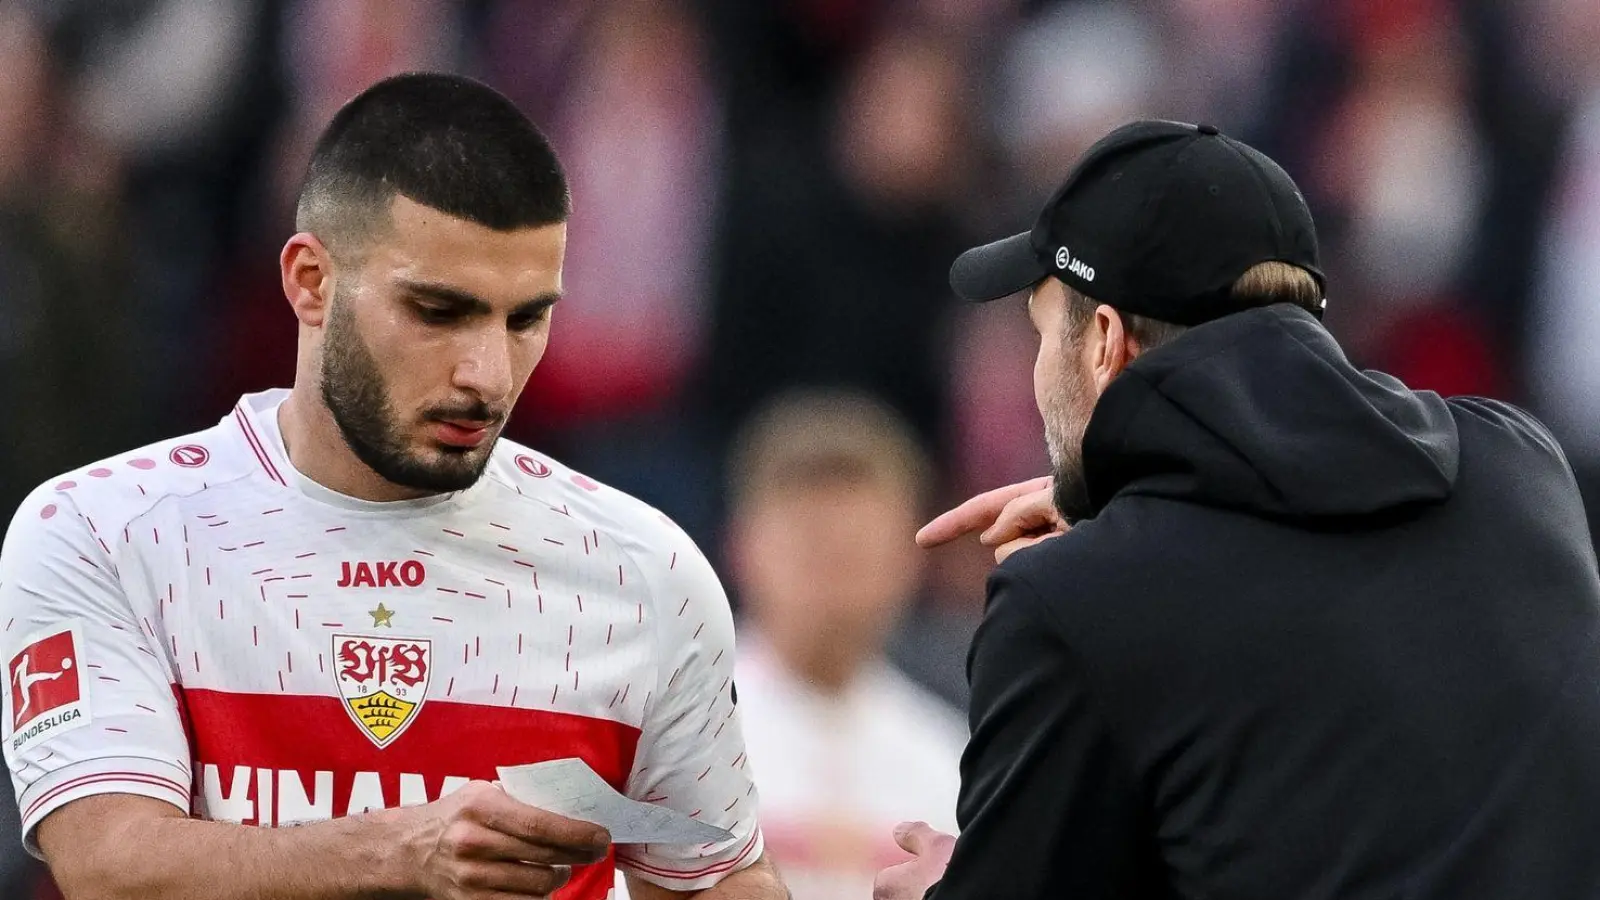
[1324,637]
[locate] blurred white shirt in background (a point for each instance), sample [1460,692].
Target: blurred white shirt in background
[837,773]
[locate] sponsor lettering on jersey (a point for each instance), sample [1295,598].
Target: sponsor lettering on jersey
[46,690]
[254,795]
[389,573]
[384,681]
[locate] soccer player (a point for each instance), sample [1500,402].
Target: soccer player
[347,603]
[824,490]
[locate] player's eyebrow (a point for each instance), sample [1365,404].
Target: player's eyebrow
[538,304]
[472,303]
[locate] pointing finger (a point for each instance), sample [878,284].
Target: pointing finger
[976,514]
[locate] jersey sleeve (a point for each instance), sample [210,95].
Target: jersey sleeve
[89,706]
[692,753]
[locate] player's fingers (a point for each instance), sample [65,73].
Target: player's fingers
[537,826]
[1029,514]
[472,841]
[915,837]
[510,880]
[1010,547]
[975,514]
[891,883]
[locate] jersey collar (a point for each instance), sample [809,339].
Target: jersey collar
[257,418]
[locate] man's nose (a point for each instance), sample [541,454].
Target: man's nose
[485,367]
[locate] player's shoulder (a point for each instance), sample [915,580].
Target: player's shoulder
[1509,422]
[118,489]
[529,476]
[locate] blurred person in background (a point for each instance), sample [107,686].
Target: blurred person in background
[1277,626]
[826,488]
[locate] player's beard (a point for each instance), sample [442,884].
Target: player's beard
[1069,404]
[354,390]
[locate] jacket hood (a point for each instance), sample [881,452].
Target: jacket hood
[1261,411]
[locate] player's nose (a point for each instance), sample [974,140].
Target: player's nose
[485,369]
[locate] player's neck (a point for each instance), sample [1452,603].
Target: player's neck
[318,451]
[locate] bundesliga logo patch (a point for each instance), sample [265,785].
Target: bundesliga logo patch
[46,692]
[383,681]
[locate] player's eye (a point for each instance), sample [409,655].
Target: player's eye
[436,315]
[522,321]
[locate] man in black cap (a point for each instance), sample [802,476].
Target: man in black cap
[1308,633]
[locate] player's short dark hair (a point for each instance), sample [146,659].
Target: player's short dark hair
[444,141]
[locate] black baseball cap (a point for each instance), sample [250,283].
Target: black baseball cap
[1157,219]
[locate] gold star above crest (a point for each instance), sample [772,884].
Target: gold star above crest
[381,616]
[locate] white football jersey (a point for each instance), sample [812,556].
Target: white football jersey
[197,622]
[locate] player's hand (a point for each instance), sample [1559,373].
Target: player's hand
[479,843]
[1010,518]
[911,879]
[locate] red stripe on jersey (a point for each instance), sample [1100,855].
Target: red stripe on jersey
[688,874]
[100,777]
[288,736]
[448,738]
[256,445]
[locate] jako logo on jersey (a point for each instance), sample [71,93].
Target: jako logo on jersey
[189,456]
[532,466]
[45,689]
[395,573]
[266,797]
[1077,267]
[383,681]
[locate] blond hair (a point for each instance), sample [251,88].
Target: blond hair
[1263,284]
[1267,283]
[810,436]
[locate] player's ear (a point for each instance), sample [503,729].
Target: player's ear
[306,267]
[1115,347]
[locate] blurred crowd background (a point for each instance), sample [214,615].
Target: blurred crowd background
[767,196]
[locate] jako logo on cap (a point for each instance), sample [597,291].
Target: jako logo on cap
[1077,267]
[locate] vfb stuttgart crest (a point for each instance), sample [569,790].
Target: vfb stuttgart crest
[383,681]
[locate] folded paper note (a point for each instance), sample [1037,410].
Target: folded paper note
[570,788]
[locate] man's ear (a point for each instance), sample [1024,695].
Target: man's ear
[306,268]
[1116,347]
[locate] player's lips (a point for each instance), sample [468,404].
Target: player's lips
[461,432]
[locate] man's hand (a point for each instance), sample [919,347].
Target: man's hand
[1012,517]
[910,880]
[480,843]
